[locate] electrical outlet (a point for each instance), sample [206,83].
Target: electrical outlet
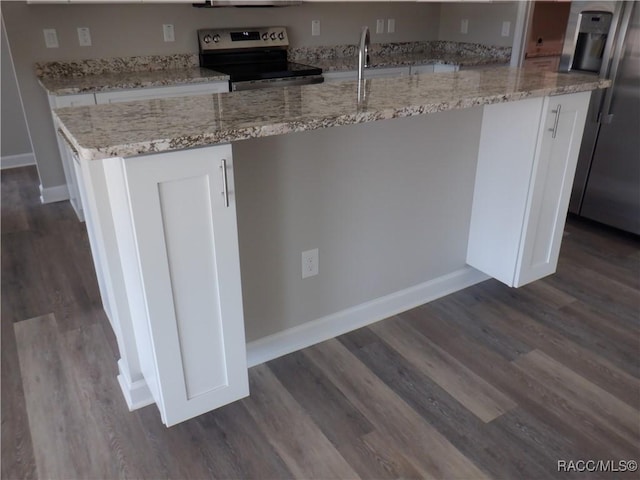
[380,25]
[50,37]
[315,28]
[391,25]
[310,263]
[506,29]
[464,26]
[84,36]
[168,33]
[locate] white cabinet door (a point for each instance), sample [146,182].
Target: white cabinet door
[340,76]
[161,92]
[441,67]
[178,245]
[386,72]
[368,73]
[60,101]
[523,182]
[78,100]
[551,181]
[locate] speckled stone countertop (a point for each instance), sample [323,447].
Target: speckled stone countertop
[134,128]
[128,80]
[121,73]
[100,75]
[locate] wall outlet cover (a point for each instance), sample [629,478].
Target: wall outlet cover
[380,25]
[310,263]
[391,25]
[168,32]
[50,37]
[84,36]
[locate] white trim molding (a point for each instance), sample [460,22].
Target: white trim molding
[321,329]
[15,161]
[136,393]
[58,193]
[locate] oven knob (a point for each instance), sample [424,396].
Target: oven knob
[206,39]
[265,36]
[273,35]
[216,38]
[281,35]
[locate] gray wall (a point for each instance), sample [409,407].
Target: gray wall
[387,204]
[128,30]
[14,133]
[485,22]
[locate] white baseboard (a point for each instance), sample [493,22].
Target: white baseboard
[136,394]
[316,331]
[54,194]
[15,161]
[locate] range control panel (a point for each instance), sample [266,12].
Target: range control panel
[233,38]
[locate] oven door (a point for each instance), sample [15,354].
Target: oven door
[275,82]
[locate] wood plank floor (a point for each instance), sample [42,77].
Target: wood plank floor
[489,382]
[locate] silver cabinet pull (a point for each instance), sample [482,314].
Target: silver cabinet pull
[225,189]
[555,124]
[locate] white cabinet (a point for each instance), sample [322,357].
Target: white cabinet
[368,73]
[418,69]
[65,156]
[441,67]
[161,92]
[386,72]
[175,222]
[523,182]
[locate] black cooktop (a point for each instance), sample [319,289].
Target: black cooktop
[263,71]
[256,64]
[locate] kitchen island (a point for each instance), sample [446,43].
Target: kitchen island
[184,194]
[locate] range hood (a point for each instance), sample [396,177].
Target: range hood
[247,3]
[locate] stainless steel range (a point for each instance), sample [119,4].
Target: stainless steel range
[253,58]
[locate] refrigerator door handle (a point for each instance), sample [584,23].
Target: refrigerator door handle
[605,115]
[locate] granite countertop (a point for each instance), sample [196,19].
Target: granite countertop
[105,74]
[120,73]
[133,128]
[102,82]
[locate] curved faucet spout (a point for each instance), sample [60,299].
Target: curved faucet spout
[363,52]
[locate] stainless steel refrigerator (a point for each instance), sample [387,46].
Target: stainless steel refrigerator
[603,38]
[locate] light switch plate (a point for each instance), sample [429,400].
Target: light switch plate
[380,25]
[315,28]
[506,29]
[84,36]
[50,38]
[391,25]
[168,33]
[464,26]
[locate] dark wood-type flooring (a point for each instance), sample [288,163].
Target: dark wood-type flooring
[489,382]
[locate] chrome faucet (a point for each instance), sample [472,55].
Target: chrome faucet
[363,52]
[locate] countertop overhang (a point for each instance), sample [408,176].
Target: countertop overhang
[143,127]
